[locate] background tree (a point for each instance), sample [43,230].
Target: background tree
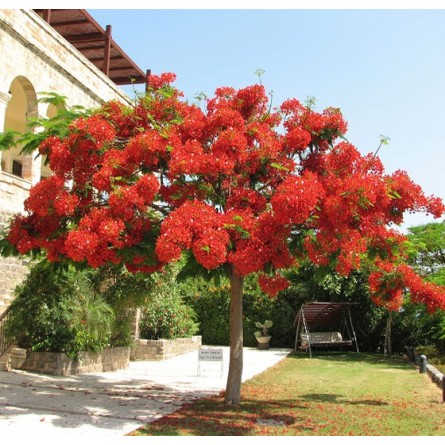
[426,250]
[426,254]
[237,187]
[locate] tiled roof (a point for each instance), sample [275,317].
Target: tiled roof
[79,28]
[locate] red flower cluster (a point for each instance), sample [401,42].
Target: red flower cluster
[272,285]
[266,243]
[157,82]
[94,129]
[234,183]
[97,239]
[296,197]
[388,283]
[50,196]
[241,198]
[303,124]
[125,201]
[386,286]
[20,236]
[196,226]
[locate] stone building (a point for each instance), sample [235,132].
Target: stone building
[63,51]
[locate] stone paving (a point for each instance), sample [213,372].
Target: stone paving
[112,404]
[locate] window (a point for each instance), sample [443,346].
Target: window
[17,168]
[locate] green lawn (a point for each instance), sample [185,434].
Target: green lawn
[336,394]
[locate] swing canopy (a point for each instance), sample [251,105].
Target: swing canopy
[324,324]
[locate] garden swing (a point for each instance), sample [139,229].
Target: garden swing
[324,324]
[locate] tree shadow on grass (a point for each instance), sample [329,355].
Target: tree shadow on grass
[337,398]
[252,418]
[212,416]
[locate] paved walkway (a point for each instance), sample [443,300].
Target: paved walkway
[114,403]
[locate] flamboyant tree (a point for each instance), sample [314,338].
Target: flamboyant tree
[236,186]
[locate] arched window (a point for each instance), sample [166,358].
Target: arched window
[21,106]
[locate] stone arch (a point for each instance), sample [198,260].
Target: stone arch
[51,111]
[21,107]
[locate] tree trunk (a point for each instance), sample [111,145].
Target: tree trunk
[233,388]
[388,336]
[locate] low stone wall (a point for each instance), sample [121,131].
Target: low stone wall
[57,363]
[435,374]
[163,349]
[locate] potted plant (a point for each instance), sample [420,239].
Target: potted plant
[17,356]
[262,336]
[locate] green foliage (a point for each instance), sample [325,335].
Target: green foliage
[310,283]
[414,326]
[434,356]
[57,125]
[167,318]
[426,248]
[59,308]
[8,139]
[210,300]
[165,314]
[280,311]
[40,317]
[384,140]
[93,318]
[439,330]
[56,310]
[124,292]
[259,72]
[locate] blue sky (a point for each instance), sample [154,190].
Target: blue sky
[384,68]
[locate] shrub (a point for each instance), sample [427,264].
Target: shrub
[433,355]
[211,302]
[40,316]
[56,310]
[92,322]
[165,315]
[167,318]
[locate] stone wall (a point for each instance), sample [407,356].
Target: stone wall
[163,349]
[55,363]
[12,271]
[32,48]
[39,59]
[13,192]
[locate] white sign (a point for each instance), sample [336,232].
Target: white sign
[210,355]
